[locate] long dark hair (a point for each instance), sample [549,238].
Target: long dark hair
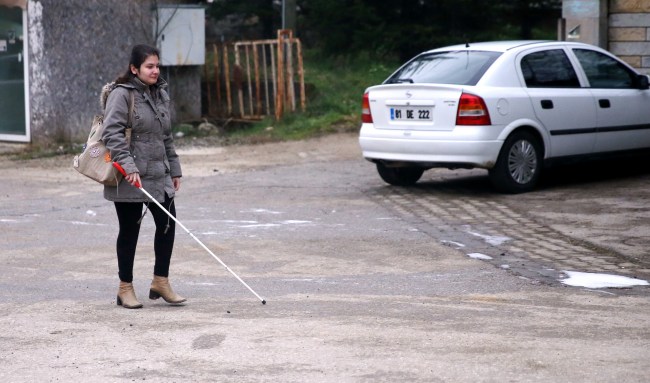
[139,54]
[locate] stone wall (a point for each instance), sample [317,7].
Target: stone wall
[75,47]
[629,32]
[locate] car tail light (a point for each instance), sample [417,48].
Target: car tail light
[365,109]
[472,111]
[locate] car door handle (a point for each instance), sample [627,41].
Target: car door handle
[604,103]
[547,104]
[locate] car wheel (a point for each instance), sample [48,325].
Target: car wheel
[399,176]
[519,164]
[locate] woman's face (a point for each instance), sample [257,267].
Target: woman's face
[149,70]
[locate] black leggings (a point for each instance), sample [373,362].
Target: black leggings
[129,216]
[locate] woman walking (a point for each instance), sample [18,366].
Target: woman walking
[139,100]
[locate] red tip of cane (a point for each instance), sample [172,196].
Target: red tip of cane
[121,170]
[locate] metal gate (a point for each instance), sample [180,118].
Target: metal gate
[253,79]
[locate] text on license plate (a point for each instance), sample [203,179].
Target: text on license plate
[411,114]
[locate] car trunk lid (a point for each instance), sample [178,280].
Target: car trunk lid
[414,106]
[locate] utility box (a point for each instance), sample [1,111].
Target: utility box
[180,34]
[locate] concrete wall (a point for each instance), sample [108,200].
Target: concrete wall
[75,47]
[585,21]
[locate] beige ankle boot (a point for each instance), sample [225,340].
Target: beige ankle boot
[160,288]
[126,296]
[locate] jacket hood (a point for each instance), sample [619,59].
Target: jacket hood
[135,83]
[106,90]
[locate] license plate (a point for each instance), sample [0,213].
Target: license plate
[411,114]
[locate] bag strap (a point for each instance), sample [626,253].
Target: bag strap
[129,126]
[131,104]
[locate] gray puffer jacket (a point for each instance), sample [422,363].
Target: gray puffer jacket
[151,152]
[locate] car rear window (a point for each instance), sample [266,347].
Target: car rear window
[454,67]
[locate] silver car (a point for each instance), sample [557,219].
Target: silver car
[509,107]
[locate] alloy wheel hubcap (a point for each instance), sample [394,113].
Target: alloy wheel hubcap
[522,162]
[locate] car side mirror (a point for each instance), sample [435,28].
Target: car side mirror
[642,82]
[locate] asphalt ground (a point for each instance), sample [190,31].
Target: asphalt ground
[364,282]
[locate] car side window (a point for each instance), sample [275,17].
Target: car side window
[603,71]
[549,69]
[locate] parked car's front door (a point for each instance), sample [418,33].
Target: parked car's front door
[622,108]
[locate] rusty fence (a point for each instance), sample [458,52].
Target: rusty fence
[253,79]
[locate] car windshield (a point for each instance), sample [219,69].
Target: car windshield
[458,67]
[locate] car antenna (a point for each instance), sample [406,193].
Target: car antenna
[466,45]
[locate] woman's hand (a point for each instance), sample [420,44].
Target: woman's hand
[134,179]
[177,183]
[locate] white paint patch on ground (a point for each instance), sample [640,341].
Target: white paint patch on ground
[265,211]
[81,223]
[479,256]
[598,281]
[233,221]
[257,224]
[274,224]
[202,283]
[493,240]
[260,225]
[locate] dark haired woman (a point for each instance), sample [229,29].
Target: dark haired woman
[149,159]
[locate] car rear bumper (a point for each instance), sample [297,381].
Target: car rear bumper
[431,148]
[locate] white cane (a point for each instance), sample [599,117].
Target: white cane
[121,170]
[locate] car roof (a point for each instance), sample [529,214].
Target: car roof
[502,46]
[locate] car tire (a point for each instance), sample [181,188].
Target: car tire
[399,176]
[519,164]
